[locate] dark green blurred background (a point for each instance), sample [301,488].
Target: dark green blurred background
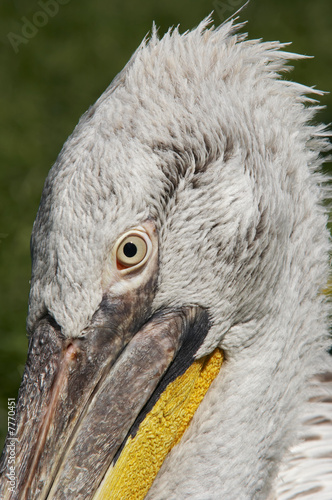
[48,82]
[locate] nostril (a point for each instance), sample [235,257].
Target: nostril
[71,352]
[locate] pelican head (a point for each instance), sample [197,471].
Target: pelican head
[178,255]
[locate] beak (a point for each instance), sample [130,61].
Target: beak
[82,399]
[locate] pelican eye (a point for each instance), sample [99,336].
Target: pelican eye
[133,249]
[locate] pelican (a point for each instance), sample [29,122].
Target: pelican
[177,321]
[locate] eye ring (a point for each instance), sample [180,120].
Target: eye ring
[132,250]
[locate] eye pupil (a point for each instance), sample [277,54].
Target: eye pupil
[130,250]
